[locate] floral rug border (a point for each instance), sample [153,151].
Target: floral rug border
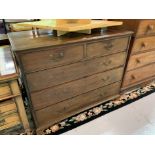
[100,110]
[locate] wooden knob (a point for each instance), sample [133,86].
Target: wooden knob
[51,55]
[61,54]
[133,77]
[105,79]
[144,44]
[150,27]
[137,60]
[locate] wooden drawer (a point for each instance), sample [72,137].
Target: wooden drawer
[140,60]
[146,27]
[62,110]
[60,75]
[137,75]
[4,90]
[143,44]
[9,121]
[107,47]
[62,92]
[52,57]
[7,107]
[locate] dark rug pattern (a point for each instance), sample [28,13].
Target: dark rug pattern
[100,110]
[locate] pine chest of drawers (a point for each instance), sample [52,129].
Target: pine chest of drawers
[68,74]
[141,61]
[13,118]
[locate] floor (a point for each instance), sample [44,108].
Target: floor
[137,118]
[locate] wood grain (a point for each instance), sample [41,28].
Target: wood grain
[139,75]
[62,92]
[62,110]
[51,57]
[106,47]
[7,107]
[60,75]
[143,44]
[146,27]
[141,59]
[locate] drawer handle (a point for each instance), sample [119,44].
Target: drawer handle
[103,94]
[2,122]
[108,46]
[144,45]
[56,56]
[106,78]
[150,27]
[107,62]
[138,61]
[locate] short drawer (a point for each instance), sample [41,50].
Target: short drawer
[62,92]
[62,110]
[7,107]
[52,57]
[60,75]
[140,60]
[143,44]
[138,75]
[9,121]
[146,27]
[5,90]
[107,47]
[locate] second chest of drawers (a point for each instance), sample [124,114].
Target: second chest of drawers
[141,61]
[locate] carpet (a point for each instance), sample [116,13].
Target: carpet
[100,110]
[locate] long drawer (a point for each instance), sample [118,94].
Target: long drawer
[137,75]
[106,47]
[146,27]
[59,93]
[143,44]
[62,110]
[60,75]
[140,60]
[7,107]
[9,121]
[51,57]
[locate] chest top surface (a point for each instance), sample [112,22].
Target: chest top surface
[7,66]
[26,40]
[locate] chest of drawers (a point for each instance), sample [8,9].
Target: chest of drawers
[68,74]
[141,61]
[13,117]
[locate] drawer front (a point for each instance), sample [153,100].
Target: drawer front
[60,75]
[62,110]
[7,107]
[107,47]
[9,121]
[4,90]
[135,76]
[141,59]
[146,27]
[143,44]
[62,92]
[38,60]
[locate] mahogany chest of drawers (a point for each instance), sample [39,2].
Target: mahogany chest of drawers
[141,61]
[68,74]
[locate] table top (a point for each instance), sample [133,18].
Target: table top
[26,40]
[70,27]
[7,65]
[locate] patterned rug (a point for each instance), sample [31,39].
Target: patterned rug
[100,110]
